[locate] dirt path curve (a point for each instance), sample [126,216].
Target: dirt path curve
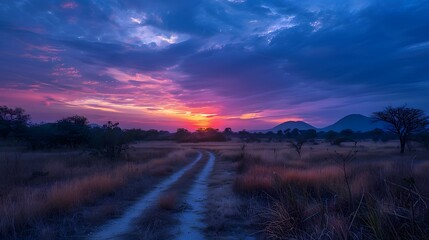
[191,220]
[124,224]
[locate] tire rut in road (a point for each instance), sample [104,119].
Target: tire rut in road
[121,226]
[191,224]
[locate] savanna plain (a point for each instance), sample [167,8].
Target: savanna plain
[227,190]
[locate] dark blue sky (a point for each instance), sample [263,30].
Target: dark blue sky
[245,64]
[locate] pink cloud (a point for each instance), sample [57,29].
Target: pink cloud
[45,48]
[69,5]
[42,58]
[64,71]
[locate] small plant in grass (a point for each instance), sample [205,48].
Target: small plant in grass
[343,160]
[296,144]
[242,151]
[410,207]
[285,217]
[275,154]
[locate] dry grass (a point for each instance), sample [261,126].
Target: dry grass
[308,197]
[168,201]
[73,180]
[262,178]
[295,198]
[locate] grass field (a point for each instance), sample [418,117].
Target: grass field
[38,188]
[255,190]
[367,191]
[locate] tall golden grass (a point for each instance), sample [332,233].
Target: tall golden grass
[29,200]
[308,197]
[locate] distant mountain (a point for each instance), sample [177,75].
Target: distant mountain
[292,125]
[355,122]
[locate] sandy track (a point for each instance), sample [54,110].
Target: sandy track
[191,225]
[124,224]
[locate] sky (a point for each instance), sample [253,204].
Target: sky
[245,64]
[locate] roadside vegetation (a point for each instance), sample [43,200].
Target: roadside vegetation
[362,191]
[38,189]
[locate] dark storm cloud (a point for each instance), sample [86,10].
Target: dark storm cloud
[139,58]
[372,44]
[244,56]
[383,46]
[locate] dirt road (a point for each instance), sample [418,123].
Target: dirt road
[124,224]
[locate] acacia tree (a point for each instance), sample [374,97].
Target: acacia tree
[73,130]
[109,140]
[403,121]
[182,135]
[13,121]
[299,138]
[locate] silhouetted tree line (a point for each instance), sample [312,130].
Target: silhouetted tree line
[110,140]
[73,132]
[333,137]
[201,135]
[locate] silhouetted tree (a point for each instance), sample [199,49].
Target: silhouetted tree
[309,134]
[279,135]
[109,140]
[201,135]
[142,135]
[376,134]
[73,131]
[208,135]
[41,136]
[163,135]
[300,137]
[227,130]
[228,133]
[115,142]
[182,135]
[244,135]
[403,122]
[13,122]
[347,133]
[330,136]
